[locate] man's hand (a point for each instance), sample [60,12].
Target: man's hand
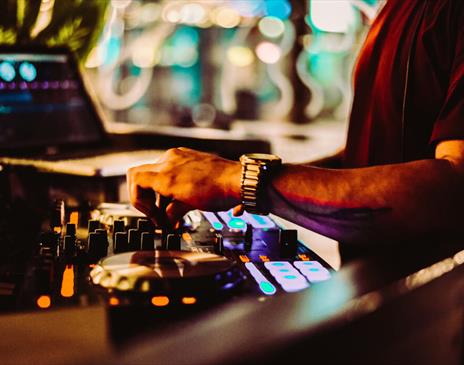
[181,180]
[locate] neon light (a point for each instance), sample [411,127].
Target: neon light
[27,71]
[258,221]
[213,220]
[267,288]
[160,301]
[67,283]
[264,285]
[7,71]
[44,302]
[232,222]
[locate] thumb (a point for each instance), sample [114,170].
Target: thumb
[176,210]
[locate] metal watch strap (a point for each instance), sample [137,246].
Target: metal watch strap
[256,172]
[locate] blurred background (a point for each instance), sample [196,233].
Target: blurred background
[205,63]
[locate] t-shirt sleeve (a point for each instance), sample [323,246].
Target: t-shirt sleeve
[450,122]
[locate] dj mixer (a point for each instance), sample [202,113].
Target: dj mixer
[145,276]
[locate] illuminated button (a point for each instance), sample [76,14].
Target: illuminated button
[189,300]
[264,285]
[306,264]
[316,274]
[7,71]
[264,258]
[244,258]
[294,286]
[160,301]
[213,220]
[234,223]
[27,71]
[267,288]
[44,302]
[258,221]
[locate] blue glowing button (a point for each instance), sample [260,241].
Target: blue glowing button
[258,221]
[7,71]
[306,264]
[264,285]
[234,223]
[213,220]
[27,71]
[316,274]
[292,283]
[267,288]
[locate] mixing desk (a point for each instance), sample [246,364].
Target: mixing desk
[149,277]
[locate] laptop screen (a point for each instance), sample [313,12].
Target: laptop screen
[43,102]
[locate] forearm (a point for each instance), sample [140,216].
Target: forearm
[382,202]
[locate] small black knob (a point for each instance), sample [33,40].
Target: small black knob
[288,241]
[98,245]
[118,226]
[93,225]
[173,242]
[144,225]
[120,242]
[69,246]
[219,244]
[248,237]
[148,241]
[134,239]
[70,229]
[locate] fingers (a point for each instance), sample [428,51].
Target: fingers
[238,210]
[176,210]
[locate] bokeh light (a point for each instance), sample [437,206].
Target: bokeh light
[271,27]
[268,52]
[240,56]
[226,17]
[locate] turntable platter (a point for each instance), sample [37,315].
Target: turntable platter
[165,271]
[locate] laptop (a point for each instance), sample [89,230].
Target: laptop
[50,120]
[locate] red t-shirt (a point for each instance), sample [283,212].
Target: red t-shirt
[435,101]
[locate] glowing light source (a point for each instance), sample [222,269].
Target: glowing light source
[27,71]
[145,57]
[271,26]
[192,14]
[332,16]
[278,8]
[189,300]
[268,52]
[67,283]
[7,71]
[240,56]
[171,13]
[44,302]
[226,17]
[113,301]
[160,301]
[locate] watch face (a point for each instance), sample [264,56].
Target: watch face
[263,157]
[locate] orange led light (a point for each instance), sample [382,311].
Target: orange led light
[189,300]
[264,258]
[67,284]
[244,258]
[113,301]
[57,229]
[160,301]
[74,218]
[303,257]
[44,302]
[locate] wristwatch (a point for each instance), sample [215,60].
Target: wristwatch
[257,170]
